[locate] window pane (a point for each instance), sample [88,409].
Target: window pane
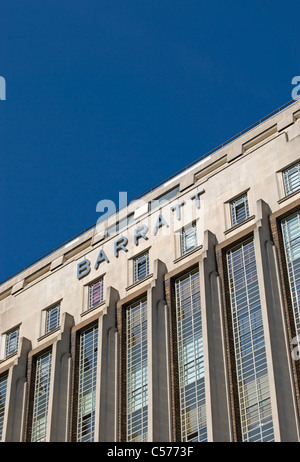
[291,179]
[88,357]
[12,342]
[291,238]
[52,318]
[141,267]
[137,372]
[3,390]
[96,293]
[251,361]
[239,210]
[190,355]
[41,397]
[189,239]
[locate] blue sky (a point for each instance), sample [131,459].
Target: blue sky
[114,95]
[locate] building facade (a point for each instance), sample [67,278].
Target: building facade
[175,319]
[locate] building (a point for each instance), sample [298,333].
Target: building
[175,319]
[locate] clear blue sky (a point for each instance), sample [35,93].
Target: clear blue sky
[113,95]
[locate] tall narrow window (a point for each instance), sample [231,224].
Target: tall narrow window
[188,238]
[239,209]
[88,358]
[137,372]
[41,397]
[141,267]
[96,293]
[291,237]
[3,390]
[52,318]
[12,342]
[291,179]
[190,358]
[249,343]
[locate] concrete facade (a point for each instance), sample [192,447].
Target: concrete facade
[253,164]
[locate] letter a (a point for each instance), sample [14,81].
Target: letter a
[101,257]
[159,223]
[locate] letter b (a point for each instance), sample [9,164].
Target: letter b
[83,268]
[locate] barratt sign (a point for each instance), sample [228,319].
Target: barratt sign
[182,212]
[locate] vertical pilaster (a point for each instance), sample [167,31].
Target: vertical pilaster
[16,395]
[121,376]
[159,359]
[106,414]
[216,382]
[174,372]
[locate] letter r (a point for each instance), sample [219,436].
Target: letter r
[120,244]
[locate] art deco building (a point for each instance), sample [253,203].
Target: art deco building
[175,319]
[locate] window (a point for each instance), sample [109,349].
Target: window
[88,358]
[12,342]
[52,318]
[239,209]
[188,238]
[291,179]
[3,390]
[95,293]
[41,396]
[291,238]
[141,267]
[137,372]
[249,344]
[190,358]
